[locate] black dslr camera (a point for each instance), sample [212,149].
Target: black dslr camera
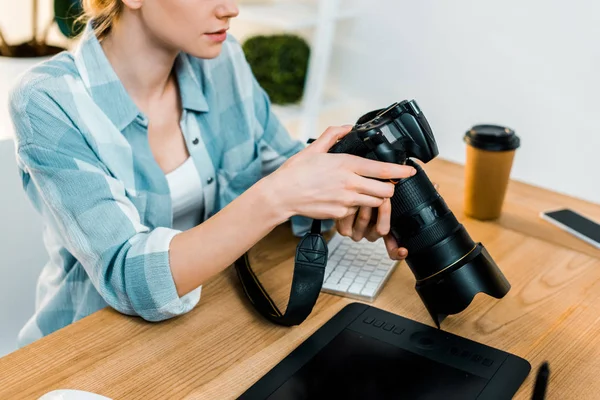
[449,267]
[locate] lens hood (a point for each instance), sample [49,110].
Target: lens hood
[452,290]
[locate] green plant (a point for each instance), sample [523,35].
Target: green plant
[279,63]
[65,14]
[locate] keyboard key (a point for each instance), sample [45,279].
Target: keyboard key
[331,281]
[369,268]
[355,288]
[379,273]
[368,291]
[360,279]
[337,275]
[345,263]
[345,281]
[354,269]
[328,285]
[370,285]
[342,270]
[350,275]
[342,287]
[364,273]
[373,278]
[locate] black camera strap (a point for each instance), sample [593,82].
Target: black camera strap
[309,271]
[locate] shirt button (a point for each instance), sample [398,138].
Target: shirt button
[196,141]
[209,180]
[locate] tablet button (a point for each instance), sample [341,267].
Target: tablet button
[423,340]
[398,330]
[378,324]
[388,327]
[487,362]
[368,320]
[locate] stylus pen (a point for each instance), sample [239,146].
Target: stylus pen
[541,382]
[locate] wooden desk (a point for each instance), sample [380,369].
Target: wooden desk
[219,349]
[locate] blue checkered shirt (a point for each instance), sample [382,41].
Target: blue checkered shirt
[85,163]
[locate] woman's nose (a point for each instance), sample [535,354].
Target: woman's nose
[227,9]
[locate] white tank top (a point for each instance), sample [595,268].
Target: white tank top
[186,195]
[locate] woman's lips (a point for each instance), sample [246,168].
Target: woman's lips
[217,36]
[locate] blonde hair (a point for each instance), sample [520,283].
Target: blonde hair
[103,14]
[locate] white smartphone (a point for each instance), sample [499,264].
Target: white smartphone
[576,224]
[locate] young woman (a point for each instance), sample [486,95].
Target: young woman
[153,156]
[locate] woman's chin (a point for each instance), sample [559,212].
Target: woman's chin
[208,52]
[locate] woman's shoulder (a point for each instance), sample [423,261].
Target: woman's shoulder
[45,76]
[41,90]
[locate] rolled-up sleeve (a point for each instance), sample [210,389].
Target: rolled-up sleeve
[91,214]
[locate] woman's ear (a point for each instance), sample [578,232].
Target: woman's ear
[133,4]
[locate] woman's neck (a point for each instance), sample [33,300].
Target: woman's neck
[141,63]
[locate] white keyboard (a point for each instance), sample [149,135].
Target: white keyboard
[357,269]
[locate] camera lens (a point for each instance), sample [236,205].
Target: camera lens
[449,267]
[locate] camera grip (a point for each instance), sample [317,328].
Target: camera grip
[351,144]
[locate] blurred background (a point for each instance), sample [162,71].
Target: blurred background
[532,66]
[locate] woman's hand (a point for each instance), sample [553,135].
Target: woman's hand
[323,185]
[372,224]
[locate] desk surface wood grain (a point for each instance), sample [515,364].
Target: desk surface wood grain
[222,347]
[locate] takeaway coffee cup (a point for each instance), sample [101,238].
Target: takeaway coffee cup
[490,153]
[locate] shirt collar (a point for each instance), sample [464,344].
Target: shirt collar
[108,92]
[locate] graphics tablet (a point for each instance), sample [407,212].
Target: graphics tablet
[366,353]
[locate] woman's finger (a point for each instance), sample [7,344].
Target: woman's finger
[344,225]
[363,200]
[329,138]
[395,252]
[377,169]
[372,187]
[380,222]
[363,218]
[384,214]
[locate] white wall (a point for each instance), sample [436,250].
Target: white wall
[16,25]
[532,65]
[22,253]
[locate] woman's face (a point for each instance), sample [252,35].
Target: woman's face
[197,27]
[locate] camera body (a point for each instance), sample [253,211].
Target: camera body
[392,135]
[449,267]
